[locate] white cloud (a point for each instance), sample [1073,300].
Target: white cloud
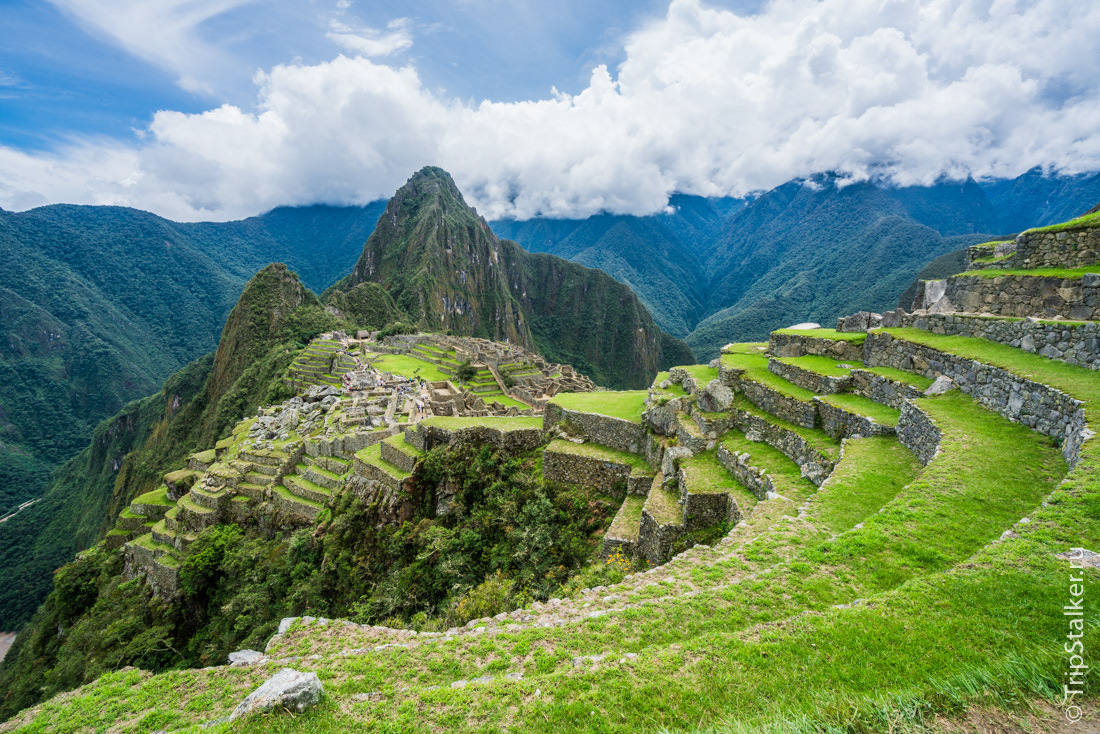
[705,102]
[165,33]
[367,41]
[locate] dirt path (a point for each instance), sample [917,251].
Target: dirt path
[19,509]
[6,638]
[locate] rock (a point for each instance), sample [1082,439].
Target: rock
[672,458]
[370,696]
[288,689]
[805,325]
[814,472]
[891,319]
[289,419]
[942,306]
[856,322]
[245,657]
[1081,557]
[1090,280]
[716,397]
[284,625]
[1027,343]
[934,290]
[942,384]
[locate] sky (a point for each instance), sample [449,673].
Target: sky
[222,109]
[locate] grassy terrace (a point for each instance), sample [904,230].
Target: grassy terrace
[625,404]
[786,474]
[1064,273]
[674,388]
[504,424]
[860,405]
[1078,382]
[827,366]
[936,635]
[815,437]
[1088,220]
[406,366]
[918,381]
[158,496]
[704,475]
[628,520]
[664,506]
[398,442]
[701,372]
[373,455]
[857,337]
[755,368]
[603,453]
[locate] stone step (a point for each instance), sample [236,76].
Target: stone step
[819,375]
[202,460]
[622,537]
[822,342]
[268,469]
[301,487]
[193,516]
[161,534]
[593,465]
[320,476]
[710,494]
[261,479]
[662,523]
[296,509]
[399,452]
[845,416]
[252,491]
[211,500]
[333,464]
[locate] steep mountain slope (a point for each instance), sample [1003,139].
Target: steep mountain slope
[99,305]
[1036,199]
[660,257]
[447,271]
[809,250]
[130,451]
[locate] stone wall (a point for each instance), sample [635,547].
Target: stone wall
[1037,406]
[1074,343]
[782,406]
[1018,295]
[508,441]
[793,446]
[839,423]
[755,479]
[918,432]
[812,381]
[882,389]
[615,433]
[655,541]
[590,471]
[797,345]
[1067,249]
[1000,250]
[705,509]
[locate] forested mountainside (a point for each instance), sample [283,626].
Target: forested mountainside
[130,451]
[99,305]
[715,270]
[446,270]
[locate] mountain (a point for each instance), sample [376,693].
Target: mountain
[660,257]
[130,452]
[1036,199]
[446,270]
[809,250]
[99,305]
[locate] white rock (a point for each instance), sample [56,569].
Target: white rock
[942,384]
[288,689]
[245,657]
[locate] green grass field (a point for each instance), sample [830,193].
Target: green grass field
[627,404]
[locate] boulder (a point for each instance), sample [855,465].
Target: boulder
[245,657]
[814,472]
[856,322]
[934,290]
[716,397]
[672,458]
[1090,280]
[891,319]
[288,689]
[942,384]
[806,325]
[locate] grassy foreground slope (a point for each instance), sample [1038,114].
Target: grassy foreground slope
[893,597]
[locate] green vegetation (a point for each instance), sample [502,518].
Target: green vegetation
[918,381]
[627,405]
[856,337]
[1064,273]
[501,423]
[860,405]
[407,366]
[1092,219]
[828,366]
[815,437]
[755,367]
[786,474]
[595,451]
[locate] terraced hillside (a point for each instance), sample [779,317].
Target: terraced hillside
[834,530]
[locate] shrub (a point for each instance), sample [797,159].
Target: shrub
[465,372]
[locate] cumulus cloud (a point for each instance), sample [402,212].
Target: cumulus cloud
[705,102]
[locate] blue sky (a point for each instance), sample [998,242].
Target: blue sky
[61,75]
[219,109]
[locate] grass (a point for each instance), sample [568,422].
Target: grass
[287,494]
[407,366]
[398,442]
[1063,273]
[1087,220]
[918,381]
[937,631]
[816,438]
[373,455]
[628,519]
[1078,382]
[828,366]
[755,367]
[704,475]
[158,496]
[625,404]
[786,474]
[857,337]
[873,471]
[603,453]
[664,506]
[674,388]
[505,400]
[860,405]
[502,423]
[701,372]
